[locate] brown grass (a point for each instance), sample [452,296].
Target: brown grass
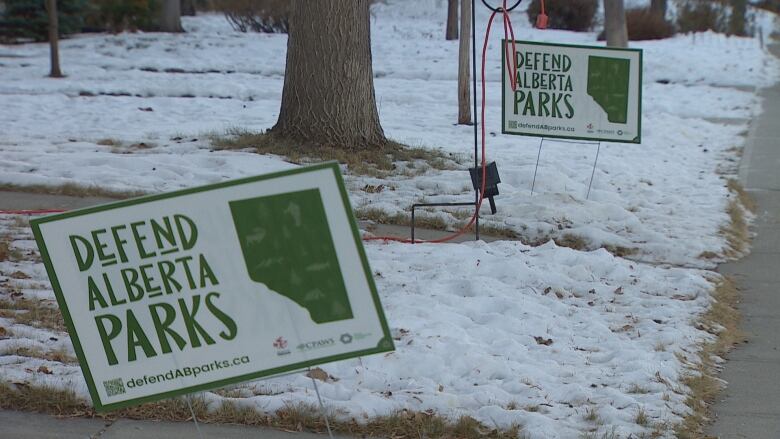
[59,355]
[372,162]
[703,384]
[34,313]
[571,241]
[5,248]
[642,24]
[71,190]
[301,417]
[431,222]
[744,197]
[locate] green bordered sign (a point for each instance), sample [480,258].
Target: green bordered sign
[173,293]
[573,92]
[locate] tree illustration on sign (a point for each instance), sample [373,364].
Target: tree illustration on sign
[608,85]
[287,245]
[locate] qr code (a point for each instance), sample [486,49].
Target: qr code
[114,387]
[512,123]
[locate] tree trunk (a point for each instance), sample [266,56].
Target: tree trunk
[452,20]
[658,8]
[737,17]
[464,90]
[187,8]
[615,23]
[328,96]
[170,16]
[54,39]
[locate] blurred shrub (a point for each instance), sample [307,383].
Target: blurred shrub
[770,5]
[576,15]
[121,15]
[723,16]
[28,19]
[701,16]
[270,16]
[642,24]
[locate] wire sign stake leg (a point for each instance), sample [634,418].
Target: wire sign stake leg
[322,406]
[194,418]
[538,155]
[598,149]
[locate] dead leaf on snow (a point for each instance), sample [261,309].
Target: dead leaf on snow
[544,341]
[319,374]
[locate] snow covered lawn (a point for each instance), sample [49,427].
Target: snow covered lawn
[543,336]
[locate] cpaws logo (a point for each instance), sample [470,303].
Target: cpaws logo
[281,346]
[346,338]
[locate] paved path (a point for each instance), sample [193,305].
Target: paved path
[21,425]
[750,406]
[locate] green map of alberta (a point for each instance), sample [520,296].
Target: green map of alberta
[608,85]
[287,245]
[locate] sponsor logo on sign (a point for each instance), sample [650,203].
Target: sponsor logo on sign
[281,346]
[316,344]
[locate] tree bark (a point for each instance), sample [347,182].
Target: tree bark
[737,17]
[452,20]
[464,89]
[328,96]
[187,8]
[54,39]
[658,8]
[615,23]
[170,16]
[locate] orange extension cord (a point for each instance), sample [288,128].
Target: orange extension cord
[509,34]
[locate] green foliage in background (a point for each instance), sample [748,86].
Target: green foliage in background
[576,15]
[123,15]
[28,19]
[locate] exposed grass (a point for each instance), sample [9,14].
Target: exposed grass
[372,162]
[34,313]
[431,222]
[747,201]
[572,241]
[619,250]
[592,415]
[41,399]
[5,248]
[301,417]
[608,434]
[109,142]
[641,417]
[72,190]
[381,217]
[722,320]
[737,233]
[59,355]
[637,389]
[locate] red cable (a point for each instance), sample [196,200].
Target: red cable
[508,32]
[512,71]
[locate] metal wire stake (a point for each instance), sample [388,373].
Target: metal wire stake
[533,183]
[194,418]
[594,170]
[322,406]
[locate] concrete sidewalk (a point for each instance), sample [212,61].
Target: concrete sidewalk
[21,425]
[750,405]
